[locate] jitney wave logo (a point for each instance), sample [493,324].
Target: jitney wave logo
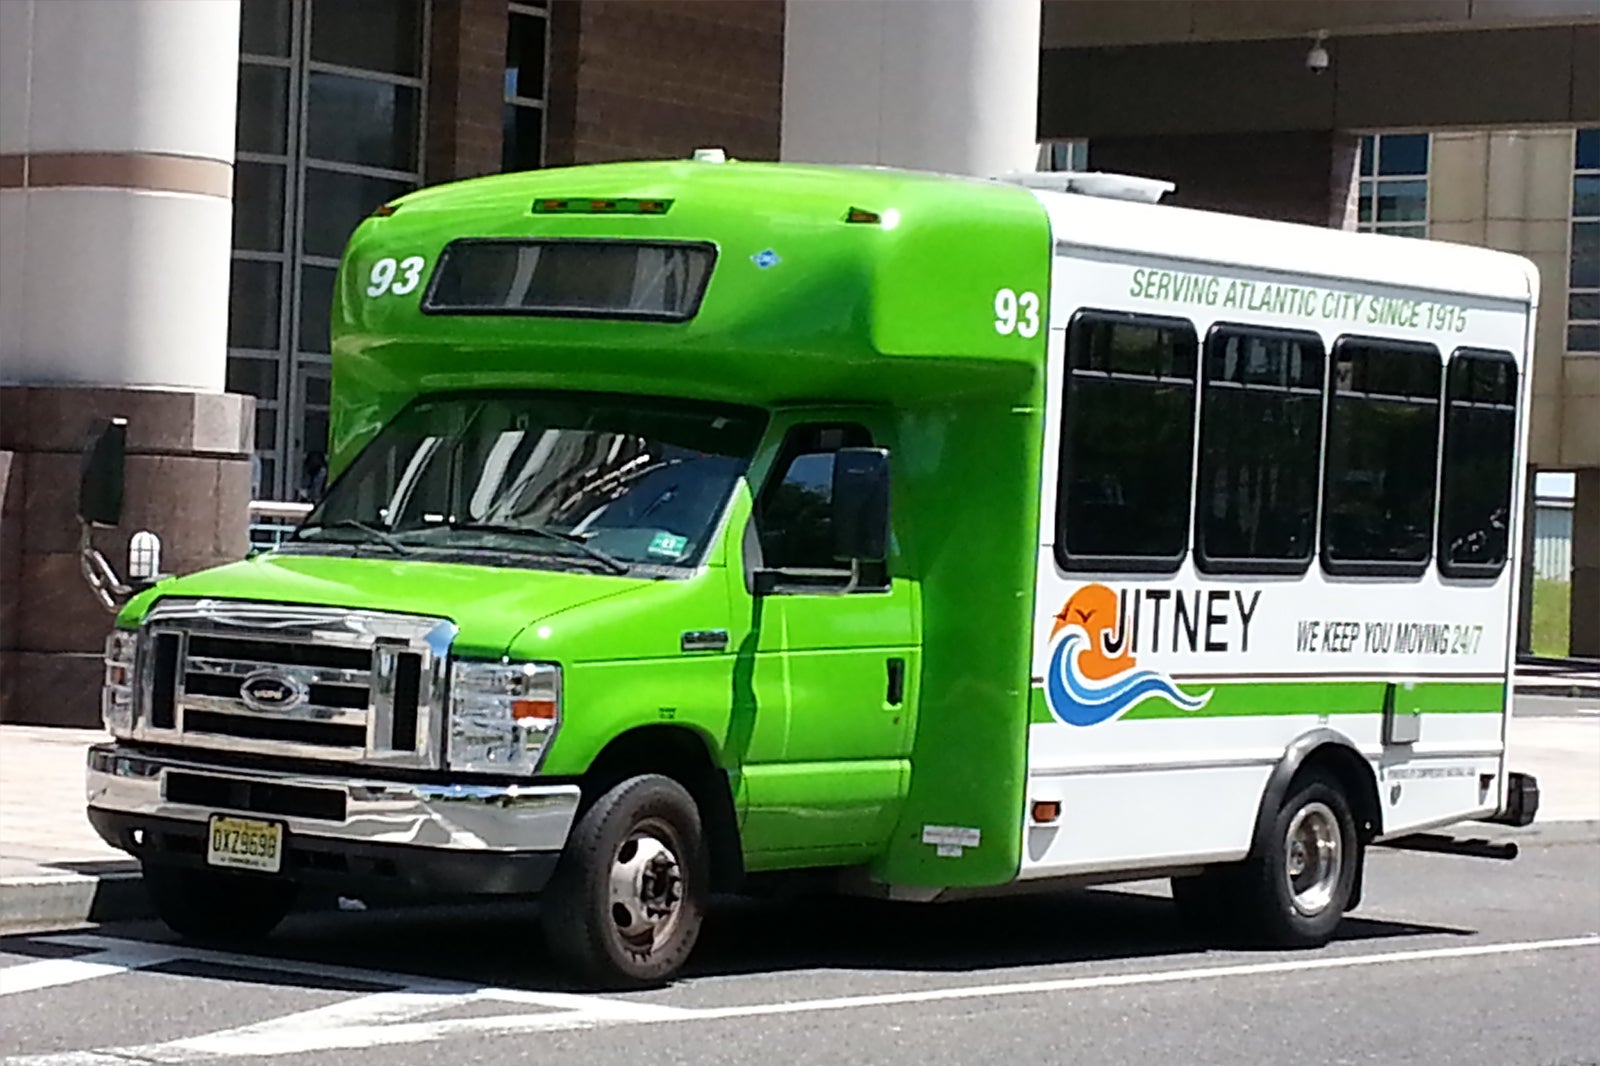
[1093,676]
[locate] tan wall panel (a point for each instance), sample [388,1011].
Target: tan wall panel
[1544,429]
[1456,188]
[1580,437]
[1471,231]
[1528,237]
[1583,380]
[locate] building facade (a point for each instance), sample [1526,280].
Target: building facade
[346,104]
[177,178]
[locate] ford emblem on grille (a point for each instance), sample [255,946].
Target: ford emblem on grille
[267,690]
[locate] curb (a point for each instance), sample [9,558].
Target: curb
[1558,689]
[75,899]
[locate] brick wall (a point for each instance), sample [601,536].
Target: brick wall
[634,79]
[466,89]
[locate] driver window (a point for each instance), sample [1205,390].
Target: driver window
[794,517]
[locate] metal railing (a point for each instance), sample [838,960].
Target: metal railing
[273,520]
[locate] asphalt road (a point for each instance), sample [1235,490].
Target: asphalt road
[1528,706]
[1449,961]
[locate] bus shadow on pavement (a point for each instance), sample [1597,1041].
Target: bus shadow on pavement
[500,944]
[1073,926]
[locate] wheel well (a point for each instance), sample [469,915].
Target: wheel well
[1346,766]
[682,755]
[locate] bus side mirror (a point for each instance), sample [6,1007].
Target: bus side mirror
[100,489]
[861,504]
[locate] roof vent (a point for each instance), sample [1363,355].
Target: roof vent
[1111,186]
[710,155]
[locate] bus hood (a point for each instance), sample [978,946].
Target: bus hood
[490,605]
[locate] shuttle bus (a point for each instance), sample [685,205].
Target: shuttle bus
[695,520]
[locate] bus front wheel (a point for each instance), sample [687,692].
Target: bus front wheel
[624,907]
[1296,890]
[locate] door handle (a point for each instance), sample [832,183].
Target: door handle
[897,682]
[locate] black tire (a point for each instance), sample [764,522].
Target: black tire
[1277,908]
[215,907]
[602,943]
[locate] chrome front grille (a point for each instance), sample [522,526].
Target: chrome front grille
[357,686]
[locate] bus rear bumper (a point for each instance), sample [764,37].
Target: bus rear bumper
[1522,801]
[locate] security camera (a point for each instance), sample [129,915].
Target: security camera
[1317,57]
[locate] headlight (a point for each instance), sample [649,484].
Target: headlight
[116,693]
[502,715]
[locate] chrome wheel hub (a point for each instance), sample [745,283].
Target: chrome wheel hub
[1314,858]
[646,890]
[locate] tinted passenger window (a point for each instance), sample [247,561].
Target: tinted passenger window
[1260,439]
[1480,426]
[794,516]
[1382,457]
[1127,442]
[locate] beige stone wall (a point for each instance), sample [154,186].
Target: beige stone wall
[1512,190]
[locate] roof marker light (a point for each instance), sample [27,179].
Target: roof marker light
[385,210]
[710,155]
[596,206]
[861,214]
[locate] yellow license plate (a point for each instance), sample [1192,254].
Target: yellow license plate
[245,844]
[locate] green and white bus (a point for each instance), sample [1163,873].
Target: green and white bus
[697,520]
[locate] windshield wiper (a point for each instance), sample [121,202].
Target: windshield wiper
[373,533]
[610,562]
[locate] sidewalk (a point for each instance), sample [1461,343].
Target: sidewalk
[1559,677]
[53,866]
[54,869]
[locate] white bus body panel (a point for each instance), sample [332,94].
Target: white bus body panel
[1149,792]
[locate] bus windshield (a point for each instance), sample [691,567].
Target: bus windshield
[589,480]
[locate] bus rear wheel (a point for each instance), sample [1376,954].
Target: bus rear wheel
[1295,892]
[624,907]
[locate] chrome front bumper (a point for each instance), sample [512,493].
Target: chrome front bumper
[457,819]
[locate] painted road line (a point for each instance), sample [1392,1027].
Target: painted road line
[382,1024]
[1123,980]
[53,973]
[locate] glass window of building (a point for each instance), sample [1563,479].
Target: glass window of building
[1393,187]
[1070,156]
[1583,291]
[527,82]
[331,96]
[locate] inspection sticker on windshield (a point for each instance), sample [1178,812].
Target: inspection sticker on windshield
[669,544]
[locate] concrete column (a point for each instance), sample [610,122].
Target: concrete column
[943,85]
[116,170]
[1586,565]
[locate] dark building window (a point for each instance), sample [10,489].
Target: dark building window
[527,61]
[1127,442]
[1393,188]
[1260,442]
[1382,457]
[329,128]
[1583,292]
[1480,430]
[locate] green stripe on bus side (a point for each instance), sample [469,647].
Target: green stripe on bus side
[1257,699]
